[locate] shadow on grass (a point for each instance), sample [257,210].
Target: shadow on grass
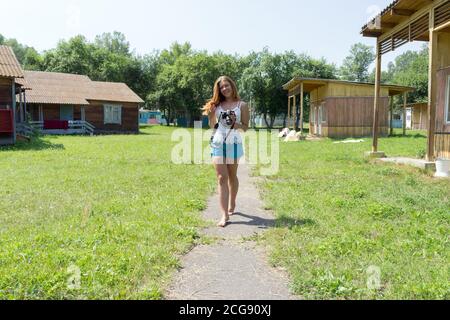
[148,128]
[263,223]
[409,136]
[36,144]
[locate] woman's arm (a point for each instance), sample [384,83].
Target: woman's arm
[245,118]
[212,119]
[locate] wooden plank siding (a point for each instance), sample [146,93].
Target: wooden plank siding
[130,117]
[442,146]
[353,116]
[5,92]
[442,135]
[420,117]
[94,114]
[442,79]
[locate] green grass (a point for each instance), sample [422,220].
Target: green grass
[116,209]
[113,207]
[339,214]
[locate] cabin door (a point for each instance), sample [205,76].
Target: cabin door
[66,113]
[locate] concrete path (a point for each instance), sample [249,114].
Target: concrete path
[232,268]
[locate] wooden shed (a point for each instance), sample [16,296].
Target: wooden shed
[10,71]
[62,103]
[419,117]
[340,109]
[419,20]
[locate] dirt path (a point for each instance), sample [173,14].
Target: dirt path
[232,268]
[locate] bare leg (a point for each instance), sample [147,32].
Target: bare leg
[224,192]
[233,185]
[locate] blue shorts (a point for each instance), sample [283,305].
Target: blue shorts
[229,151]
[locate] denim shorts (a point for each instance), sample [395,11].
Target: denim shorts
[229,151]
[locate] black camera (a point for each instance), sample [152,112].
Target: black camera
[228,117]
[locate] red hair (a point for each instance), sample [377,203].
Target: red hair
[218,96]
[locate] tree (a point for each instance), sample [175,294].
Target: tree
[266,73]
[356,66]
[409,69]
[115,42]
[28,57]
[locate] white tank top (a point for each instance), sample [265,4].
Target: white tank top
[224,131]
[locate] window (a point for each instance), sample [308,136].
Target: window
[323,113]
[447,102]
[112,114]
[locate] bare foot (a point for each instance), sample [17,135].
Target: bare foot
[223,223]
[231,212]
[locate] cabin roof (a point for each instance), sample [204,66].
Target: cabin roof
[74,89]
[310,84]
[9,66]
[112,91]
[407,20]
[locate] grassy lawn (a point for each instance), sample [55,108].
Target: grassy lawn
[102,217]
[339,214]
[108,217]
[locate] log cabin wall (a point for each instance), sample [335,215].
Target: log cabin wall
[130,117]
[5,93]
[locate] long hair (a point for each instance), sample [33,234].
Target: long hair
[218,96]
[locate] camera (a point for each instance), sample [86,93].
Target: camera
[228,117]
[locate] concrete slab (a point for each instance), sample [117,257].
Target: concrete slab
[375,155]
[418,163]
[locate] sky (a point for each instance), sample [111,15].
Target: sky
[320,28]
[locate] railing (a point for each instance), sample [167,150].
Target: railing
[25,129]
[75,127]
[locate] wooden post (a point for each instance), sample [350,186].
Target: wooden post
[20,106]
[432,88]
[376,99]
[25,104]
[41,113]
[13,92]
[404,113]
[301,107]
[289,113]
[295,113]
[391,122]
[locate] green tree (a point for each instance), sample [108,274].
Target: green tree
[356,66]
[27,56]
[115,42]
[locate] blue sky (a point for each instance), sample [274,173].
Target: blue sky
[320,28]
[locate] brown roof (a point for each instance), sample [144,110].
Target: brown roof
[64,88]
[310,84]
[9,66]
[21,82]
[397,12]
[112,91]
[57,88]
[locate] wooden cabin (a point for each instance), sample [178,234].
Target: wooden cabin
[340,109]
[61,103]
[419,20]
[419,116]
[10,71]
